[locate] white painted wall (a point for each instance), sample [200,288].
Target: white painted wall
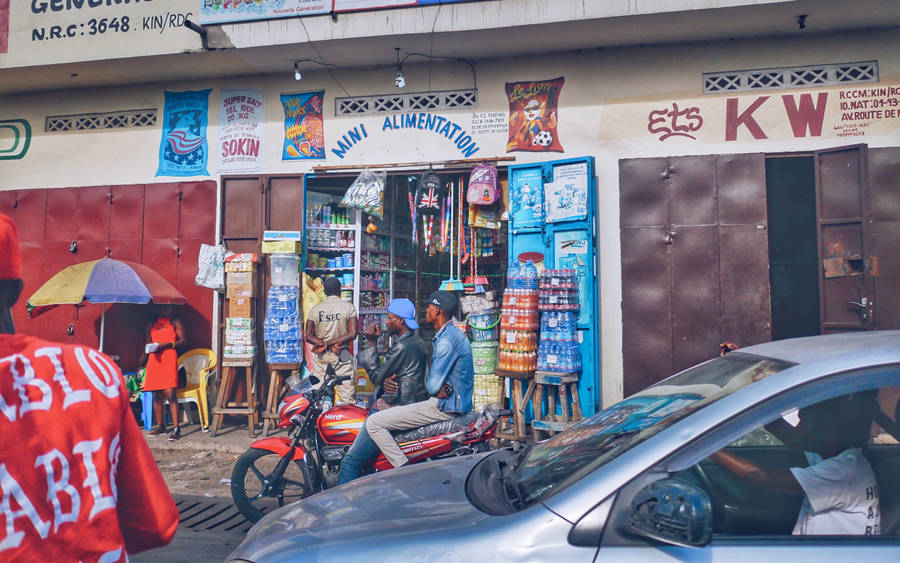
[604,113]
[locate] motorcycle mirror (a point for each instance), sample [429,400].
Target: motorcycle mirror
[313,379]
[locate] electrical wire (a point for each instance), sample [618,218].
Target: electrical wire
[431,44]
[319,53]
[370,68]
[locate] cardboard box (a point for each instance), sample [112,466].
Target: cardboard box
[240,323]
[236,337]
[236,290]
[240,278]
[275,246]
[282,235]
[241,307]
[240,352]
[240,267]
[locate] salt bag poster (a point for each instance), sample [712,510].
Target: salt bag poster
[304,136]
[184,150]
[532,115]
[240,146]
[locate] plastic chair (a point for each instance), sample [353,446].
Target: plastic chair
[197,364]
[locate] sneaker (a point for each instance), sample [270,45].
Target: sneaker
[176,434]
[157,430]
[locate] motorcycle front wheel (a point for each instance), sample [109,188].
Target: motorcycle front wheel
[248,489]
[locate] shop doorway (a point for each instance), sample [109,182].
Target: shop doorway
[793,250]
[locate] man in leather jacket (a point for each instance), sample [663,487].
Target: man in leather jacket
[401,377]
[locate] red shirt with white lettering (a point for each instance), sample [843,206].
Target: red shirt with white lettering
[77,480]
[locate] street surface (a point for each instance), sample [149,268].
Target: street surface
[199,479]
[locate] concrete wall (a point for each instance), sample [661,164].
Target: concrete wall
[605,111]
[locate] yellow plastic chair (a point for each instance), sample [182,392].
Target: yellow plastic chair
[198,364]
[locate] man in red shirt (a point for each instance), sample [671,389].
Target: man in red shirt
[77,480]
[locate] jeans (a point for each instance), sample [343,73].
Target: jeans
[361,453]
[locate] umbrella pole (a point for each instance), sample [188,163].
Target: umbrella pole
[102,323]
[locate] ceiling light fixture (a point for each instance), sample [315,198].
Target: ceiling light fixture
[297,74]
[400,81]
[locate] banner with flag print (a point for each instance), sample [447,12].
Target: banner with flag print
[184,150]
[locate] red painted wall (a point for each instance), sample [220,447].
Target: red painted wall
[160,225]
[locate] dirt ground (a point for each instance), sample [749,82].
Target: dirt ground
[196,473]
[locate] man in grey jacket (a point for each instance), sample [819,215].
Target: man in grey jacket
[401,377]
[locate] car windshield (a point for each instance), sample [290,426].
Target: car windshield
[570,455]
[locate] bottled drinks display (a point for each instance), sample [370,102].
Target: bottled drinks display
[558,348]
[281,330]
[520,321]
[331,239]
[326,215]
[558,290]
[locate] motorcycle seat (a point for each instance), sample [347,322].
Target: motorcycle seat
[435,428]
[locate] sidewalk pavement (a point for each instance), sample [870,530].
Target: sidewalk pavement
[230,439]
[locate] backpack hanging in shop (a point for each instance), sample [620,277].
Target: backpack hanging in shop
[429,194]
[483,185]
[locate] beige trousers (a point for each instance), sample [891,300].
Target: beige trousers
[402,417]
[345,393]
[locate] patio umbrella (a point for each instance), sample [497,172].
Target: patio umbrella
[103,281]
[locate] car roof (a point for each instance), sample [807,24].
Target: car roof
[824,347]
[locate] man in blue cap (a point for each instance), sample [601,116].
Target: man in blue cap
[449,384]
[401,377]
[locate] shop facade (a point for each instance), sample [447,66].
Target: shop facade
[697,236]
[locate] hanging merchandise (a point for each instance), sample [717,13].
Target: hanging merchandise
[412,214]
[366,192]
[453,283]
[483,185]
[428,204]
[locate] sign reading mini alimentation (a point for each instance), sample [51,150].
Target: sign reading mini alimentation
[61,31]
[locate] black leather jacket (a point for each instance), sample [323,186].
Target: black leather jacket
[407,358]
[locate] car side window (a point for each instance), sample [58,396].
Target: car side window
[830,468]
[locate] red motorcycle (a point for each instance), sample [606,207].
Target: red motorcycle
[279,470]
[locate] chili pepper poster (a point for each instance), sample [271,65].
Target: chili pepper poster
[240,131]
[304,136]
[533,115]
[184,150]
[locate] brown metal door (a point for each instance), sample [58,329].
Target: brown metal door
[845,287]
[694,261]
[884,180]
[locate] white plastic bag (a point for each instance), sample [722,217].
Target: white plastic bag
[366,192]
[211,267]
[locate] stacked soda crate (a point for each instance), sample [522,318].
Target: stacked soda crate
[240,292]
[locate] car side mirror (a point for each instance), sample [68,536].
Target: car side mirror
[673,512]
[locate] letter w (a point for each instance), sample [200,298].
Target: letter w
[807,115]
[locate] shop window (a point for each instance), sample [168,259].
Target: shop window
[790,77]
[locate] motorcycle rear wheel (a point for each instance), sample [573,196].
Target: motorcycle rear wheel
[256,465]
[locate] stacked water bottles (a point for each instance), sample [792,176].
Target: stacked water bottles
[519,323]
[281,330]
[558,349]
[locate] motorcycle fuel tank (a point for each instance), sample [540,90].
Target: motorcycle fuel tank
[340,425]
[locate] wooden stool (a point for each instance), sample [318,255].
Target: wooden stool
[276,381]
[225,404]
[553,383]
[518,402]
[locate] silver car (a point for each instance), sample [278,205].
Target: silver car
[635,482]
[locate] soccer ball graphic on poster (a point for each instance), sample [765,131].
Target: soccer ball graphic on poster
[543,138]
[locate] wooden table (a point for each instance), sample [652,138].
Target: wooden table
[276,381]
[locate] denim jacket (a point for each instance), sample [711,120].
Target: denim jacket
[452,363]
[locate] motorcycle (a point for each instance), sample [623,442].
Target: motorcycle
[279,470]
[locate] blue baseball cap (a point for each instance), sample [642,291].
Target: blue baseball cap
[404,309]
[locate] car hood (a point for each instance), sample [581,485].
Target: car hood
[423,497]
